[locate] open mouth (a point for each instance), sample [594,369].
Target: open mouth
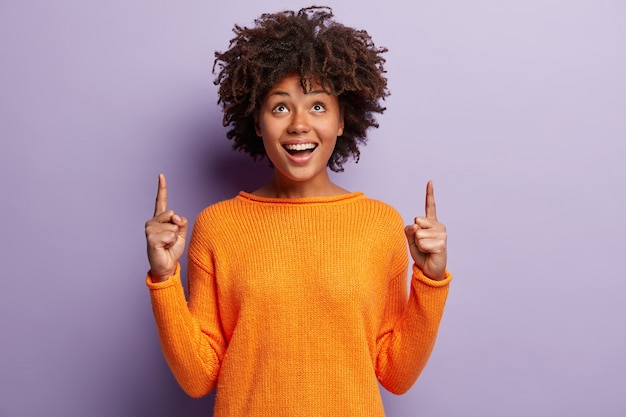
[300,148]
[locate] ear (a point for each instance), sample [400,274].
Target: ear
[340,129]
[257,127]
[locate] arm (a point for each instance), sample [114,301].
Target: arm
[190,335]
[410,329]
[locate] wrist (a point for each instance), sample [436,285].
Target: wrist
[420,275]
[437,278]
[159,277]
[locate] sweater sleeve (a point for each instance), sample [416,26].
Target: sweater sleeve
[191,336]
[409,328]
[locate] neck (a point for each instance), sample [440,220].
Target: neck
[282,188]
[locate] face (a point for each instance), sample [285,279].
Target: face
[299,131]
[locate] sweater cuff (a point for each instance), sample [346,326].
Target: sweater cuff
[419,276]
[172,280]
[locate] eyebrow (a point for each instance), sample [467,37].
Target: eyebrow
[284,93]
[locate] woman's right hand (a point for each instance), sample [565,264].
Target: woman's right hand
[165,235]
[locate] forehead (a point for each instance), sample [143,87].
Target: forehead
[295,84]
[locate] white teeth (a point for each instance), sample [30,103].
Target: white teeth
[300,146]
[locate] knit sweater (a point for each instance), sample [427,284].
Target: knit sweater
[297,307]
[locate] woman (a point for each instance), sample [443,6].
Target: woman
[297,291]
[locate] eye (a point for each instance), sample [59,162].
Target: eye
[280,108]
[318,107]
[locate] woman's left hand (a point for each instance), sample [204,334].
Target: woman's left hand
[427,240]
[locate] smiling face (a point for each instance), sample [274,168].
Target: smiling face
[299,131]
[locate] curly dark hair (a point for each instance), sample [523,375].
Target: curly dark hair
[343,60]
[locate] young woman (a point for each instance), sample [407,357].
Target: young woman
[298,299]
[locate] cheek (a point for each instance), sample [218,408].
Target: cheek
[267,127]
[272,149]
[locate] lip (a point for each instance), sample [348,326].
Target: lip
[300,158]
[299,142]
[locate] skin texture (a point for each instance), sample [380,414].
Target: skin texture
[427,239]
[166,235]
[290,116]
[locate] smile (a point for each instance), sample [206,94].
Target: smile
[296,148]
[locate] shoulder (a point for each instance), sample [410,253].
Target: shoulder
[384,224]
[218,213]
[219,206]
[378,217]
[215,224]
[380,208]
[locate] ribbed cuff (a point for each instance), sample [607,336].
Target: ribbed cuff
[172,280]
[419,275]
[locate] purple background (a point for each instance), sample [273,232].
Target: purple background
[517,111]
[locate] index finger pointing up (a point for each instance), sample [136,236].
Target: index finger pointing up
[431,209]
[160,204]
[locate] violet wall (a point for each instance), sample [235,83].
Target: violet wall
[516,109]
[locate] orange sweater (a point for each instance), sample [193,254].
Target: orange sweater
[298,307]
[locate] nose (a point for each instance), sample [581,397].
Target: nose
[299,122]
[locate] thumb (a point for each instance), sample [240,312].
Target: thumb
[409,231]
[418,256]
[183,225]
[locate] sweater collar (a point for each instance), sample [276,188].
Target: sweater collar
[309,200]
